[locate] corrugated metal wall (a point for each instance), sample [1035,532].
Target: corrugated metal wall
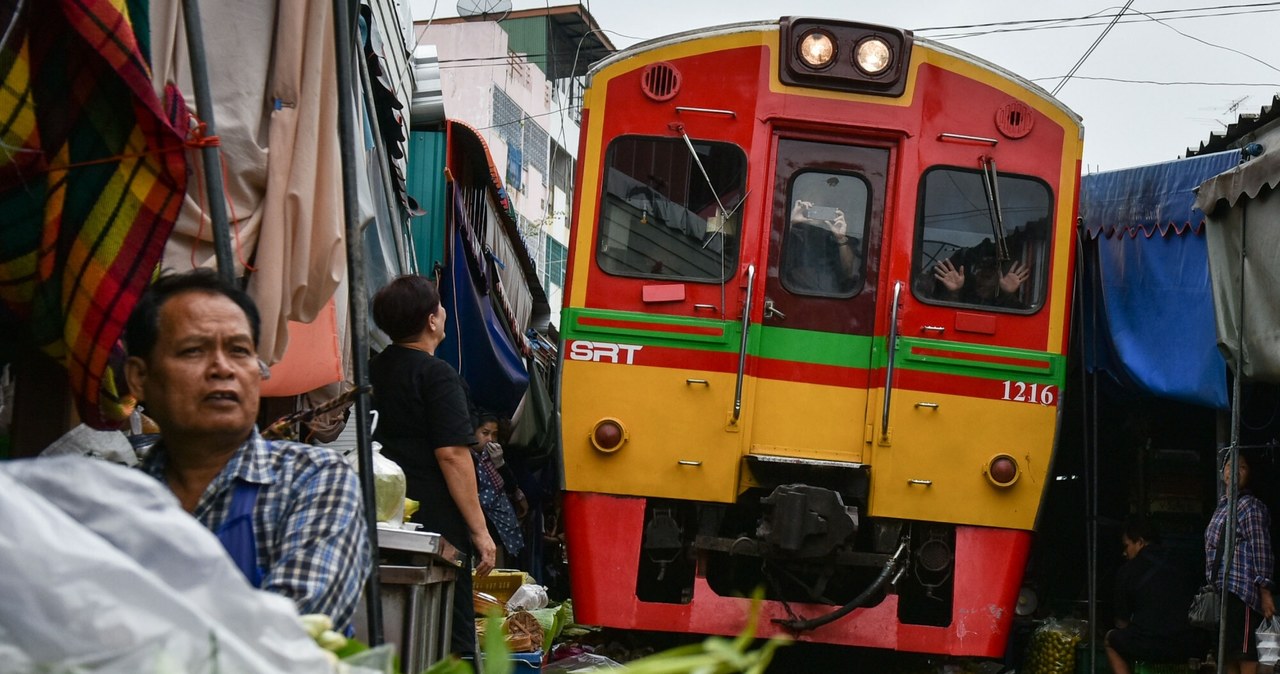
[426,184]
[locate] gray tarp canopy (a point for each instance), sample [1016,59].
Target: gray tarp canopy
[1240,207]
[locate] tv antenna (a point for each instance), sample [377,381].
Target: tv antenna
[1234,110]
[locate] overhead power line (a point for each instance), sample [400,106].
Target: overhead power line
[1094,19]
[1091,48]
[1273,85]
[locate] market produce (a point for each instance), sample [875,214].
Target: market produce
[320,627]
[1053,647]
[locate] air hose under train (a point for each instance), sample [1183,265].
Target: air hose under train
[890,571]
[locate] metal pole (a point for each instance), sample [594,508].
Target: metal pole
[1089,403]
[344,38]
[1233,489]
[211,161]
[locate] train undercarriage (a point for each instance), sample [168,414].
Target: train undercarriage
[801,537]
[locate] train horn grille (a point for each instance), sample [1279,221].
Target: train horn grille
[660,81]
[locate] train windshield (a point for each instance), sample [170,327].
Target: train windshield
[662,217]
[959,261]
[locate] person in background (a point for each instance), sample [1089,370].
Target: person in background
[425,426]
[823,257]
[986,281]
[1247,589]
[499,493]
[289,514]
[1151,597]
[487,430]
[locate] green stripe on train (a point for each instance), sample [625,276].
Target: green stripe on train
[978,360]
[652,330]
[817,348]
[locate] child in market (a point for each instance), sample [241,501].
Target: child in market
[500,497]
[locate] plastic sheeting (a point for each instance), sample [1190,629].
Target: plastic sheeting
[1148,309]
[104,572]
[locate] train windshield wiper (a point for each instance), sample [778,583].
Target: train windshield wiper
[991,184]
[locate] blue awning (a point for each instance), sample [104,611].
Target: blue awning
[1148,303]
[476,342]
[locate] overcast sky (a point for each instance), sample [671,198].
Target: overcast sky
[1164,78]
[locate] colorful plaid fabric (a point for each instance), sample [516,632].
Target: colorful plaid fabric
[92,173]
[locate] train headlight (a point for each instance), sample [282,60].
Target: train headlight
[817,50]
[1002,470]
[873,56]
[846,56]
[608,435]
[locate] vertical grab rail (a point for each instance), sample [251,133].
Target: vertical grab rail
[893,347]
[742,349]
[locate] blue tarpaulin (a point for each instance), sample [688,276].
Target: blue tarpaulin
[476,341]
[1148,305]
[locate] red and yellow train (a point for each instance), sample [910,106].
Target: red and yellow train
[814,334]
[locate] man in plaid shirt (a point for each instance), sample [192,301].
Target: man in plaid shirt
[1249,584]
[289,514]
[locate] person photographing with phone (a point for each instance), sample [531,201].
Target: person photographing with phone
[823,258]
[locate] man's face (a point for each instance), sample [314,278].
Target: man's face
[201,380]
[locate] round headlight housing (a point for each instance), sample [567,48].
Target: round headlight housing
[873,56]
[608,435]
[817,49]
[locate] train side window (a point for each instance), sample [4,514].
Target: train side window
[662,217]
[822,252]
[957,247]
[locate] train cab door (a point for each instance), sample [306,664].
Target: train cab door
[815,346]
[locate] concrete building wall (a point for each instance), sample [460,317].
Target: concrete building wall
[519,114]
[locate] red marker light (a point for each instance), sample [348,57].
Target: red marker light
[608,435]
[1003,470]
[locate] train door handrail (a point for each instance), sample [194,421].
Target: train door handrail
[742,349]
[888,372]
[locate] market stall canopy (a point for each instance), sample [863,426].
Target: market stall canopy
[1148,311]
[1242,209]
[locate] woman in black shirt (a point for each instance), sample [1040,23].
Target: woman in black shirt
[424,425]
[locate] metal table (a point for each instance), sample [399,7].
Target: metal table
[417,570]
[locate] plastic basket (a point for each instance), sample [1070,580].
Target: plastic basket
[1082,660]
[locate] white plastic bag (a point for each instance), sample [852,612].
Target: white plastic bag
[388,482]
[388,487]
[106,573]
[528,597]
[1269,641]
